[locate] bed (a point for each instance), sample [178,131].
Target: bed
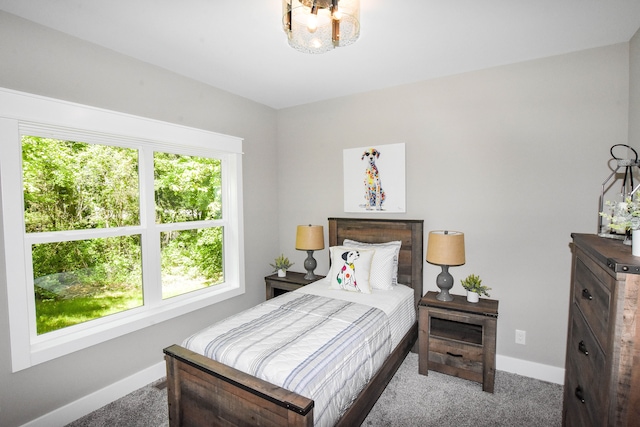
[203,391]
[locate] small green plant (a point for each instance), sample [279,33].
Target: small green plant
[281,263]
[473,283]
[624,215]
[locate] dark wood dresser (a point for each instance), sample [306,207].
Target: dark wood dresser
[602,377]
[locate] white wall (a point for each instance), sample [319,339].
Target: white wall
[513,156]
[45,62]
[634,91]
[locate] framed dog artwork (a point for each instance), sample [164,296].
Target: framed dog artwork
[374,179]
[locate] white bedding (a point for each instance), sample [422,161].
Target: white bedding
[397,303]
[320,343]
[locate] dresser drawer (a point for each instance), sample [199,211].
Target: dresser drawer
[587,364]
[593,298]
[581,405]
[575,413]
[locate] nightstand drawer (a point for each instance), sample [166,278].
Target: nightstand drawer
[456,358]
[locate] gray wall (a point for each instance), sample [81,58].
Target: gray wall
[41,61]
[513,156]
[634,91]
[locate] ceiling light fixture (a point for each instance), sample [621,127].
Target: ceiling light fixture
[317,26]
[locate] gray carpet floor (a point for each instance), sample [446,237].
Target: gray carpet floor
[410,399]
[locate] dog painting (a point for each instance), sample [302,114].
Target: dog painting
[347,275]
[374,179]
[373,193]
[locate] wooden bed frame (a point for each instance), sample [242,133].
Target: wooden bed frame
[203,392]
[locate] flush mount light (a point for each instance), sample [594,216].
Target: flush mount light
[317,26]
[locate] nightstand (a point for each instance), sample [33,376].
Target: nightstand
[292,281]
[458,338]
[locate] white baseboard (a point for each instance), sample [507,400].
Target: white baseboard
[100,398]
[529,369]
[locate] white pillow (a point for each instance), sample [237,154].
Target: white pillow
[350,268]
[384,267]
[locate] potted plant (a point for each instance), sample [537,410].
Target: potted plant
[281,265]
[624,217]
[475,288]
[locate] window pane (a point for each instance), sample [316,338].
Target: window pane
[77,186]
[187,188]
[191,260]
[83,280]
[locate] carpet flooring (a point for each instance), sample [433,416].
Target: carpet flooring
[410,399]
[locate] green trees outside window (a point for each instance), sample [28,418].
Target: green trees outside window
[71,186]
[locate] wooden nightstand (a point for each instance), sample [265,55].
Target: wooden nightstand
[458,338]
[279,285]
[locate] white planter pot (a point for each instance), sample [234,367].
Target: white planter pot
[635,242]
[282,273]
[473,297]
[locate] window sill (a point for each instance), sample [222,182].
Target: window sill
[69,340]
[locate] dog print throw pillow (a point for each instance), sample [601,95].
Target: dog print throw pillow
[350,268]
[384,266]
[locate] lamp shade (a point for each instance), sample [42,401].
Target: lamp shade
[310,237]
[445,248]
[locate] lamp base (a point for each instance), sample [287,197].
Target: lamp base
[444,281]
[444,295]
[310,264]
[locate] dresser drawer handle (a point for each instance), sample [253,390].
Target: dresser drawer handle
[583,348]
[586,294]
[453,354]
[580,394]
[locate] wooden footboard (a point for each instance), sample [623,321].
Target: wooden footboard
[203,392]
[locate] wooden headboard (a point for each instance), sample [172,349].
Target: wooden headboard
[409,232]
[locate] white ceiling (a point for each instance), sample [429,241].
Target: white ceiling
[239,45]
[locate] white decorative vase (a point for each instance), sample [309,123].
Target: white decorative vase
[635,242]
[282,273]
[473,297]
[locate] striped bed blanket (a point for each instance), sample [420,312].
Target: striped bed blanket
[321,348]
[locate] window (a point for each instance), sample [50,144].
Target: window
[80,187]
[125,222]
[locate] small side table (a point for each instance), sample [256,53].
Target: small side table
[292,281]
[458,338]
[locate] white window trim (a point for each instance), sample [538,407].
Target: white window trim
[21,109]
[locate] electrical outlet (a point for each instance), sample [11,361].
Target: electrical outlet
[521,337]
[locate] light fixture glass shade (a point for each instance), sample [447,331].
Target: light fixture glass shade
[445,248]
[310,238]
[338,24]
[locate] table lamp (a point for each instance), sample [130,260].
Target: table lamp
[445,248]
[310,238]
